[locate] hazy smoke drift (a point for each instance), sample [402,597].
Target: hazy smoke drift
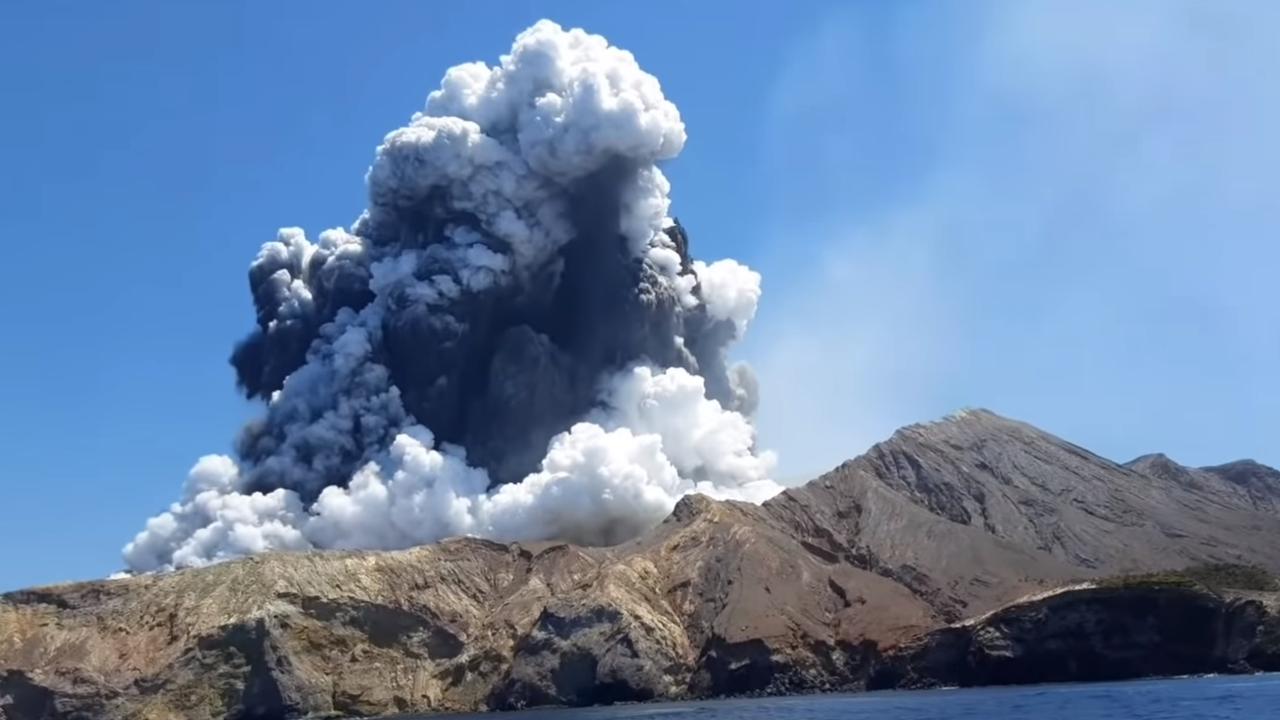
[512,341]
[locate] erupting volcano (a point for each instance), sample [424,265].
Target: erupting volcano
[512,341]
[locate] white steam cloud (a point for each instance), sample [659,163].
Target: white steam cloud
[368,340]
[602,482]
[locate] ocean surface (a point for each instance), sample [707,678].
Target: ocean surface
[1208,698]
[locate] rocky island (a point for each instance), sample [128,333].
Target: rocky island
[973,550]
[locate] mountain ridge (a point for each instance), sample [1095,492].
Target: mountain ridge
[940,523]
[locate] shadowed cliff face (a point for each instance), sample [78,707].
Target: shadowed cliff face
[1092,634]
[859,574]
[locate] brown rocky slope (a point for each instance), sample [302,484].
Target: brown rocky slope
[844,579]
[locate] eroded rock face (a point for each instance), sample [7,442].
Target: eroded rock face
[1086,634]
[715,601]
[860,574]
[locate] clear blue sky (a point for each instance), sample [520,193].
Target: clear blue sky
[1065,212]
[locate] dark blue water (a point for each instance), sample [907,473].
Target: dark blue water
[1215,698]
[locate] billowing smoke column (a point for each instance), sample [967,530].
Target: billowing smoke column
[511,342]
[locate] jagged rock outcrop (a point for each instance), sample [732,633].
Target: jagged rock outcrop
[1091,633]
[820,588]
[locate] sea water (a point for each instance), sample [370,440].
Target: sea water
[1207,698]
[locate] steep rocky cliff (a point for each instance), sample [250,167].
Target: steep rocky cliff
[1090,633]
[866,572]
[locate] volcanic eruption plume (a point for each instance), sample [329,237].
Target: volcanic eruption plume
[512,341]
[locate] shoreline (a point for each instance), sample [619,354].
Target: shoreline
[838,695]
